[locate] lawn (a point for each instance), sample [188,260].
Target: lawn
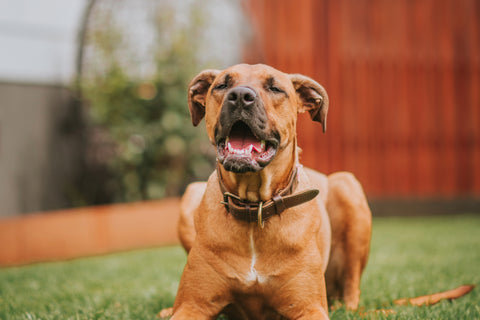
[409,257]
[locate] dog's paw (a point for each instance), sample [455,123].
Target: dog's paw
[165,313]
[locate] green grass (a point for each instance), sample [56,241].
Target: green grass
[132,285]
[409,257]
[416,256]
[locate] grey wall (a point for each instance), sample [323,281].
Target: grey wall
[40,147]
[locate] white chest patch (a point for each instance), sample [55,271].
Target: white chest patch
[253,275]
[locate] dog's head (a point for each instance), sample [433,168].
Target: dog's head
[251,111]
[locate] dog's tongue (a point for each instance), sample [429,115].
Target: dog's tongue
[242,138]
[244,142]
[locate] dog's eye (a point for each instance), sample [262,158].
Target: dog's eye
[275,89]
[220,86]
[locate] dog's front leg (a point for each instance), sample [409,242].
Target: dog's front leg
[303,296]
[197,303]
[202,293]
[317,313]
[186,312]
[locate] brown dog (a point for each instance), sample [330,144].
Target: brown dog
[267,238]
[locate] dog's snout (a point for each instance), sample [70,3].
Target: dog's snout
[244,104]
[241,96]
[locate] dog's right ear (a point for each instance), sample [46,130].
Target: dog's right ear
[313,98]
[197,93]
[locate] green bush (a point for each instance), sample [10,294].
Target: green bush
[151,150]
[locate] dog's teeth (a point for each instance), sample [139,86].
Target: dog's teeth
[231,149]
[262,145]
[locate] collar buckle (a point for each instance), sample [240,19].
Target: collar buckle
[227,195]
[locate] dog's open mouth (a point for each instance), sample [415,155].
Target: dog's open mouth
[242,151]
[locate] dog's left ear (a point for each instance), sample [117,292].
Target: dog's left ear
[313,98]
[197,94]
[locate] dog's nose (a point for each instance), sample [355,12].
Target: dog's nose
[241,96]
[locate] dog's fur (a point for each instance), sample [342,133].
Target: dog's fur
[309,252]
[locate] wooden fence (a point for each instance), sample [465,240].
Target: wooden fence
[72,233]
[404,84]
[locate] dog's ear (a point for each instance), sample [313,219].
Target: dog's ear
[313,98]
[197,93]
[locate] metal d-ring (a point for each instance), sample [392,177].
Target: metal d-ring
[261,223]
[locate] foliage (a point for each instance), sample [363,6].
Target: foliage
[141,119]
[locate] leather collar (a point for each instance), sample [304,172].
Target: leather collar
[259,212]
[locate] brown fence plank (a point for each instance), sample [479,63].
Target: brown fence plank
[403,81]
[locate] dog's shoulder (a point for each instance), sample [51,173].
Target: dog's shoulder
[316,180]
[193,196]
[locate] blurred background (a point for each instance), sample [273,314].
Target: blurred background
[93,105]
